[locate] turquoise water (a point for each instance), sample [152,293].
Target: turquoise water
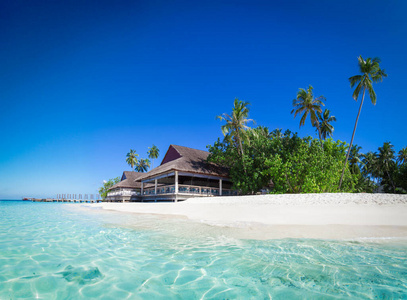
[56,251]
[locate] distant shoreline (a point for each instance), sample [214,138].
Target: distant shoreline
[335,216]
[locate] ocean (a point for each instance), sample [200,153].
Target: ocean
[65,251]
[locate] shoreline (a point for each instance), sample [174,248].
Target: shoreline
[337,216]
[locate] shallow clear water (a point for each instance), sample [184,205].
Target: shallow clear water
[56,251]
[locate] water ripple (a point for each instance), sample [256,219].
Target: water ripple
[48,251]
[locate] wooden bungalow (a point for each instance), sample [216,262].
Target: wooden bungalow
[184,173]
[128,189]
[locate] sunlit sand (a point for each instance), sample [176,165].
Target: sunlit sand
[338,216]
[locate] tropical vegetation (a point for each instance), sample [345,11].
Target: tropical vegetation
[306,104]
[153,153]
[283,163]
[143,165]
[235,129]
[371,73]
[382,171]
[131,158]
[279,162]
[106,186]
[325,123]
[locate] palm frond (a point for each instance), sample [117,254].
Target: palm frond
[357,90]
[376,60]
[354,80]
[372,94]
[304,116]
[225,129]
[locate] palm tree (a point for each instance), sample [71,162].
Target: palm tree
[402,157]
[371,72]
[143,165]
[153,153]
[306,104]
[264,131]
[235,127]
[354,159]
[325,121]
[386,163]
[276,133]
[131,158]
[369,166]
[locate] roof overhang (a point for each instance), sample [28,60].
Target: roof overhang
[181,173]
[158,176]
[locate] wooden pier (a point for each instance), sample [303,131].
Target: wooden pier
[63,200]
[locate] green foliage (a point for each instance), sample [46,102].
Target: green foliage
[308,168]
[371,72]
[355,159]
[153,153]
[143,165]
[325,125]
[131,159]
[236,130]
[402,157]
[306,104]
[106,186]
[379,169]
[364,184]
[285,161]
[401,179]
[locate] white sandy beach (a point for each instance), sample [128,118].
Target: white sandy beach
[300,215]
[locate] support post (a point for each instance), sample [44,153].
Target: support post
[220,187]
[142,190]
[176,186]
[155,189]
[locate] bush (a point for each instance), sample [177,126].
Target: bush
[291,163]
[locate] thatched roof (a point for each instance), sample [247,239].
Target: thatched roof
[184,159]
[128,180]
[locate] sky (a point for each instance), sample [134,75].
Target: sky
[83,82]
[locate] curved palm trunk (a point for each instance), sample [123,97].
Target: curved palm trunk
[353,135]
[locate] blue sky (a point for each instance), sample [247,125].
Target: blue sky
[82,82]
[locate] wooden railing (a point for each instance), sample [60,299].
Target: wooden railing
[189,189]
[123,193]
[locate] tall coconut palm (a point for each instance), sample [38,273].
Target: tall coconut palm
[325,125]
[354,159]
[143,165]
[369,166]
[132,158]
[306,104]
[402,157]
[371,72]
[386,163]
[236,125]
[153,153]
